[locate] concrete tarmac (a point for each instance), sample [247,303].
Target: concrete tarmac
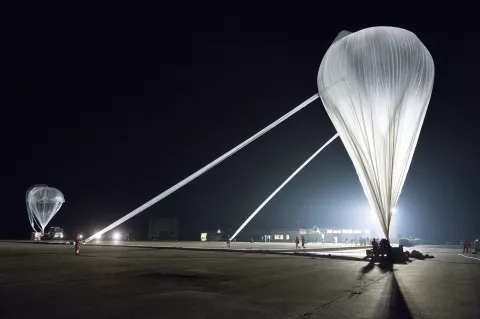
[214,245]
[39,281]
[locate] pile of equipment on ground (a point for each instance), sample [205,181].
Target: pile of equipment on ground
[393,254]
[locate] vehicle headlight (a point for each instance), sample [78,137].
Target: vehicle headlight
[116,236]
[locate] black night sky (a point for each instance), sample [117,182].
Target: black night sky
[113,104]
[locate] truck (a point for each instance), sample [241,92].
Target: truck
[55,233]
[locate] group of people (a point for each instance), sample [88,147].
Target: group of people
[467,246]
[381,248]
[297,242]
[358,241]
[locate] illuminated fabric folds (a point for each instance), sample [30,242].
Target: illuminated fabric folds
[43,203]
[379,108]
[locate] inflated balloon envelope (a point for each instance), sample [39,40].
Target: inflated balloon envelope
[43,203]
[379,107]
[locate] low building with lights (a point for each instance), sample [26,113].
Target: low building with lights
[212,235]
[329,235]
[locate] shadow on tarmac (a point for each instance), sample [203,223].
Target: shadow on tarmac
[392,304]
[397,307]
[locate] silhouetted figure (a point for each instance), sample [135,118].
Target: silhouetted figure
[303,242]
[297,241]
[385,248]
[375,247]
[228,240]
[77,244]
[465,245]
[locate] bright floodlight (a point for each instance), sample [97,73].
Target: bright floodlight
[116,236]
[379,108]
[43,203]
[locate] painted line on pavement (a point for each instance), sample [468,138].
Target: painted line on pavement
[468,257]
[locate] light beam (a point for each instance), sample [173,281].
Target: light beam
[202,170]
[282,185]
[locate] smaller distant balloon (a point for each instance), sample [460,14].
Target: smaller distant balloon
[43,203]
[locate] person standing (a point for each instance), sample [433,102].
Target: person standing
[375,247]
[297,241]
[303,242]
[77,244]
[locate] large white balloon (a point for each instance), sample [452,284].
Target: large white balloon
[43,203]
[379,108]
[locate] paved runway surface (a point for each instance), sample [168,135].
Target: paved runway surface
[39,281]
[216,245]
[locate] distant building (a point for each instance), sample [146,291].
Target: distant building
[213,235]
[310,234]
[163,229]
[342,234]
[278,235]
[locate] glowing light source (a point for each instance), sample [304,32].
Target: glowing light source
[116,236]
